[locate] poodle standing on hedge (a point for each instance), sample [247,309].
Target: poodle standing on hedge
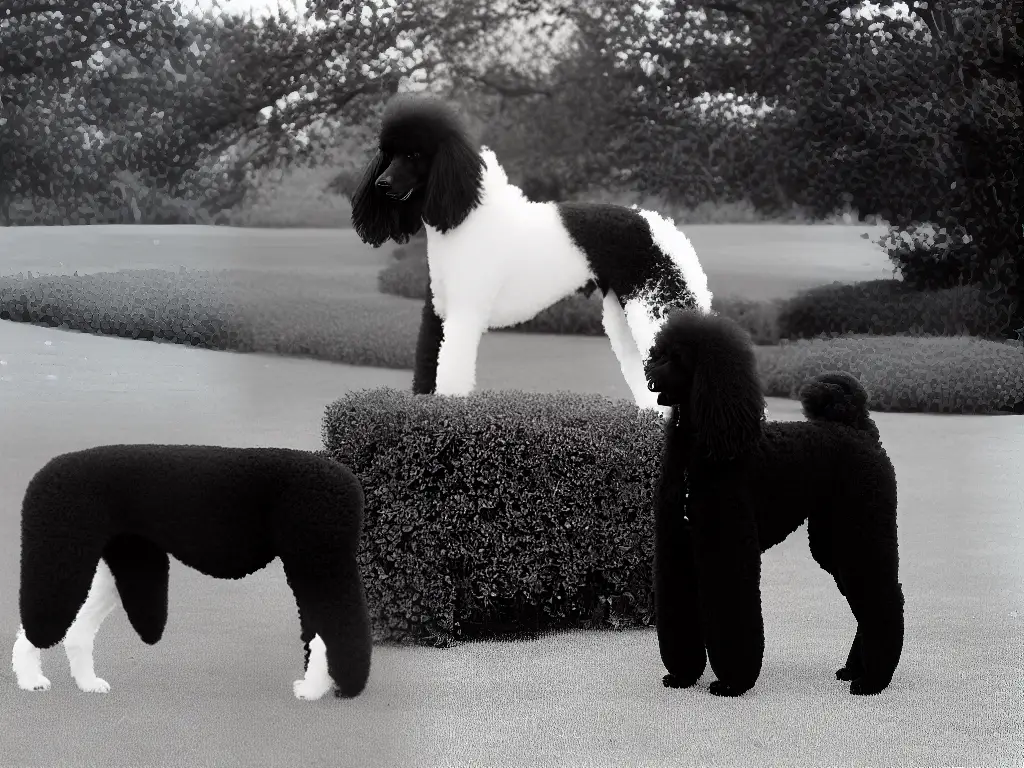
[497,259]
[734,485]
[97,527]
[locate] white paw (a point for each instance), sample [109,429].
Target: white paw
[310,690]
[95,685]
[35,683]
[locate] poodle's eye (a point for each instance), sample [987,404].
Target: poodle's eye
[413,155]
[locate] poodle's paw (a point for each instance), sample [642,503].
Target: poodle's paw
[94,685]
[34,683]
[846,674]
[718,688]
[674,681]
[310,690]
[860,687]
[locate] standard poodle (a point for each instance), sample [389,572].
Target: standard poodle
[497,259]
[98,525]
[733,485]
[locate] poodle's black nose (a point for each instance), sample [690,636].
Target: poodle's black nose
[384,183]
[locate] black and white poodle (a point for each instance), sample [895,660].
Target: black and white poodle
[733,485]
[98,525]
[497,259]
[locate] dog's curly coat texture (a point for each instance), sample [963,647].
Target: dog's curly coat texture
[98,525]
[733,485]
[497,258]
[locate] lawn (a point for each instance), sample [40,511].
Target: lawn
[216,690]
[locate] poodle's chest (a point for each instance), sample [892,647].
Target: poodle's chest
[504,270]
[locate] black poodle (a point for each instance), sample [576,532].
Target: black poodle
[98,527]
[733,485]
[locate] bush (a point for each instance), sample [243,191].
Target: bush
[407,276]
[929,260]
[229,310]
[934,375]
[500,511]
[759,318]
[887,308]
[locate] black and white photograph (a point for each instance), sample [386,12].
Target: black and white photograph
[512,383]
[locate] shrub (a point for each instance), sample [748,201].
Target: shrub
[887,308]
[930,260]
[759,318]
[956,374]
[231,310]
[407,276]
[500,511]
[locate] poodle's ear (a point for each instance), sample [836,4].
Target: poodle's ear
[454,185]
[726,402]
[375,218]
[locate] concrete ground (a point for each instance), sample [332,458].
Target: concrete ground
[216,691]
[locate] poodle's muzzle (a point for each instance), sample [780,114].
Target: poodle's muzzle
[401,178]
[663,378]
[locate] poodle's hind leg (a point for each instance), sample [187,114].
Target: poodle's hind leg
[628,353]
[854,666]
[78,644]
[141,572]
[876,599]
[676,601]
[456,359]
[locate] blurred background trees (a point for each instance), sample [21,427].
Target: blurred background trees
[144,110]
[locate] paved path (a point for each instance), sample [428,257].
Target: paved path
[217,690]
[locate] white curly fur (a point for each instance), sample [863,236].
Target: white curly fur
[26,659]
[511,258]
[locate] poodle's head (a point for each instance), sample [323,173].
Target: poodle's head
[425,169]
[703,366]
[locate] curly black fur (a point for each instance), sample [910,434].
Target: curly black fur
[733,486]
[226,512]
[426,169]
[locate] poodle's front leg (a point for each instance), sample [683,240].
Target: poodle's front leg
[728,557]
[428,345]
[456,360]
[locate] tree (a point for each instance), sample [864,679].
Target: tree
[99,97]
[920,115]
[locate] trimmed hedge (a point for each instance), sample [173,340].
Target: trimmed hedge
[500,512]
[956,374]
[888,308]
[317,317]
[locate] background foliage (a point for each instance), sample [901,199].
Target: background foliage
[144,110]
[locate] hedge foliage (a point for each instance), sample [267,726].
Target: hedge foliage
[956,374]
[229,310]
[887,308]
[500,511]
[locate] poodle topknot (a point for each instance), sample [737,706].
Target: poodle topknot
[497,258]
[734,485]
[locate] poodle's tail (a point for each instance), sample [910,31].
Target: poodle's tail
[838,398]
